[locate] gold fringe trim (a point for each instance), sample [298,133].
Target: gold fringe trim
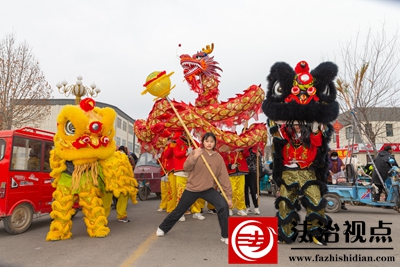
[91,171]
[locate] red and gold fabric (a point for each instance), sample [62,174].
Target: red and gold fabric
[299,153]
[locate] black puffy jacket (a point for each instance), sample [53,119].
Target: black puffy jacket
[383,166]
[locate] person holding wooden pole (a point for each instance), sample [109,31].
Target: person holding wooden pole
[200,184]
[159,85]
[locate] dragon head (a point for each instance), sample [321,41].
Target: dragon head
[300,94]
[200,70]
[85,133]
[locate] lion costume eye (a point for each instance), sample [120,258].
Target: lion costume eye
[69,128]
[277,89]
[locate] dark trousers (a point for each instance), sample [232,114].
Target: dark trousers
[377,197]
[188,198]
[250,183]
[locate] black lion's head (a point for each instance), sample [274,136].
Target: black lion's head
[300,94]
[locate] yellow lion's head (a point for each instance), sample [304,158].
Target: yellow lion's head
[85,133]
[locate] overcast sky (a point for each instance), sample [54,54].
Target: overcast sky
[116,44]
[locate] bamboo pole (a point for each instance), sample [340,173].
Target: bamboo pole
[196,146]
[162,167]
[159,162]
[257,179]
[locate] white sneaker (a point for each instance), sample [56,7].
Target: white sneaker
[159,232]
[230,213]
[182,219]
[241,213]
[161,210]
[248,210]
[256,211]
[225,240]
[198,216]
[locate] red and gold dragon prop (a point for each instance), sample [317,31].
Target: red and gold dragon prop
[208,114]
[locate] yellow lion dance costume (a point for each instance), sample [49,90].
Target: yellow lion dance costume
[85,164]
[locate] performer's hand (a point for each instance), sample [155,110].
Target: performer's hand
[322,127]
[315,127]
[157,156]
[230,205]
[190,149]
[233,166]
[197,152]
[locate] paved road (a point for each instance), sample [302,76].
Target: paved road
[191,243]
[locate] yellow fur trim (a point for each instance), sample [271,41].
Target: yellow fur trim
[118,175]
[89,169]
[80,120]
[73,126]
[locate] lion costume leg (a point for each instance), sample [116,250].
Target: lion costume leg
[287,204]
[315,206]
[60,227]
[92,208]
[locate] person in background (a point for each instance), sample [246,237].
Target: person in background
[131,161]
[251,179]
[382,167]
[164,183]
[335,165]
[134,157]
[46,163]
[351,167]
[180,152]
[34,158]
[236,165]
[369,169]
[200,204]
[121,203]
[200,184]
[168,159]
[124,150]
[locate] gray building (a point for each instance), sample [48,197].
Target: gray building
[382,122]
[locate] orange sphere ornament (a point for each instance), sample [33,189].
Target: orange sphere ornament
[158,84]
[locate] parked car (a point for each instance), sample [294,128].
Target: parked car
[148,174]
[25,181]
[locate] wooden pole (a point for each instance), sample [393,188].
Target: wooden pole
[162,167]
[196,146]
[257,179]
[236,157]
[159,161]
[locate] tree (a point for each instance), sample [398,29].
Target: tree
[23,87]
[368,81]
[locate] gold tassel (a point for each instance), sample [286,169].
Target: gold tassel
[91,171]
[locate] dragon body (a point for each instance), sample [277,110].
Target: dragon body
[208,114]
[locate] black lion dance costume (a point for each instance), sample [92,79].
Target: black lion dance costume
[300,106]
